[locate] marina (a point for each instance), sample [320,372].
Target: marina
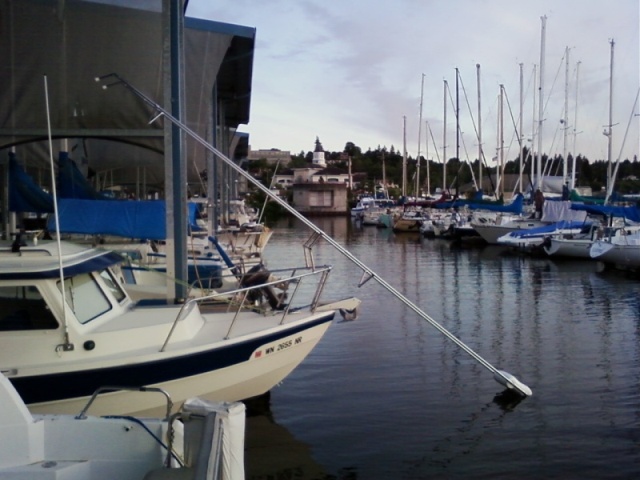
[386,396]
[141,261]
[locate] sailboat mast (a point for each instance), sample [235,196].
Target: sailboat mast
[404,156]
[521,132]
[479,129]
[384,177]
[575,132]
[426,141]
[541,104]
[501,143]
[609,131]
[457,129]
[444,142]
[565,160]
[532,172]
[419,139]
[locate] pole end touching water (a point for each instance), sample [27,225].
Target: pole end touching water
[512,383]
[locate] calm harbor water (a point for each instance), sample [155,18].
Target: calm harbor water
[389,397]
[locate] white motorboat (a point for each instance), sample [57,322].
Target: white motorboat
[58,345]
[203,440]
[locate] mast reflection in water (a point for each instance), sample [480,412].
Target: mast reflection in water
[388,396]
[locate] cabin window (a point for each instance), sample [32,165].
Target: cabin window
[85,298]
[112,285]
[23,308]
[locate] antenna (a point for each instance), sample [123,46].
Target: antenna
[66,346]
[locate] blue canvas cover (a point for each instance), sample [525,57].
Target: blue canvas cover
[72,183]
[124,218]
[547,229]
[630,213]
[24,194]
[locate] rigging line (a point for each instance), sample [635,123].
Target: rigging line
[435,147]
[544,110]
[615,170]
[501,376]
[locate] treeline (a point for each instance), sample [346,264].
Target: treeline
[588,174]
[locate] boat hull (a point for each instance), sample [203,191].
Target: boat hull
[561,247]
[621,256]
[239,371]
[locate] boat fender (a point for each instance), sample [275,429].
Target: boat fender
[546,242]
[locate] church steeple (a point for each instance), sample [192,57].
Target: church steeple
[318,154]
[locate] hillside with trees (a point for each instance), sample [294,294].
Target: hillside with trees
[370,164]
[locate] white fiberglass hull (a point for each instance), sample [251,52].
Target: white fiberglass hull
[574,248]
[625,256]
[267,366]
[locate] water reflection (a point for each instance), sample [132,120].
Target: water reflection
[271,451]
[388,396]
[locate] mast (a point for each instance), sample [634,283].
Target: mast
[426,141]
[575,133]
[419,139]
[565,165]
[520,133]
[501,138]
[444,142]
[609,131]
[457,130]
[479,129]
[404,156]
[541,104]
[533,124]
[384,177]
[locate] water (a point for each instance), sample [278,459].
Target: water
[389,397]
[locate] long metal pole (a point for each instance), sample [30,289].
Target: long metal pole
[419,139]
[479,129]
[426,142]
[575,132]
[503,377]
[444,142]
[521,132]
[610,129]
[540,105]
[457,128]
[565,160]
[404,156]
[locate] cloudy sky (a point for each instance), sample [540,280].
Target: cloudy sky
[352,70]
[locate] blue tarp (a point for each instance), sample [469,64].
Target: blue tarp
[24,194]
[630,213]
[124,218]
[72,183]
[537,231]
[514,207]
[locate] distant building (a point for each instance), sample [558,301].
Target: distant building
[272,156]
[317,189]
[318,155]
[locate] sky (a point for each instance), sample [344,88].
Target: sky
[373,72]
